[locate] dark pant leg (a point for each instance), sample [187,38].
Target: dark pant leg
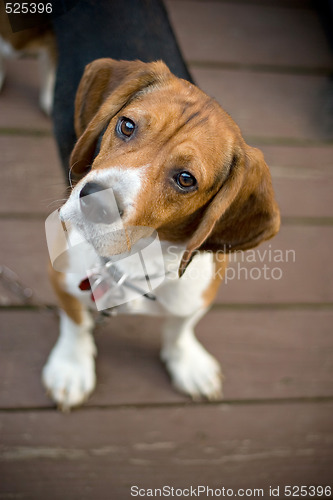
[121,29]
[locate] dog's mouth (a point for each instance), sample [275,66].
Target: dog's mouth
[119,262]
[96,215]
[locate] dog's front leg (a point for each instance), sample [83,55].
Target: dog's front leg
[69,374]
[47,70]
[192,369]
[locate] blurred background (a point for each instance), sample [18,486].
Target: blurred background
[269,64]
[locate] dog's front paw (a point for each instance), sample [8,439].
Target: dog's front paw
[193,370]
[69,375]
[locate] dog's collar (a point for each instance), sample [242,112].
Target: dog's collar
[109,282]
[99,286]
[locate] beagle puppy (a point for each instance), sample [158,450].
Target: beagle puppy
[177,163]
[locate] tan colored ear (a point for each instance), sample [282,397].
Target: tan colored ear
[242,214]
[106,87]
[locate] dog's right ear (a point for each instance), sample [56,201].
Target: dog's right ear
[106,87]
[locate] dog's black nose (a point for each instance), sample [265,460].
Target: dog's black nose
[98,208]
[91,188]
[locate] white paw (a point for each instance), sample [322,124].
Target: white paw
[193,370]
[69,374]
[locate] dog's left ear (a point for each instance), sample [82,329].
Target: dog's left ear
[242,214]
[105,88]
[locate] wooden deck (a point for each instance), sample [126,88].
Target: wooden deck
[269,65]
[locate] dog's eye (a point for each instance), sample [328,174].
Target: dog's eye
[185,180]
[125,127]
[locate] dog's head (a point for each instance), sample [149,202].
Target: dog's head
[175,160]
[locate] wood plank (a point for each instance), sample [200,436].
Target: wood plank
[102,453]
[264,355]
[31,174]
[272,106]
[302,179]
[272,354]
[23,249]
[308,279]
[236,33]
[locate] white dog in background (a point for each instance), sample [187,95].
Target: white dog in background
[36,42]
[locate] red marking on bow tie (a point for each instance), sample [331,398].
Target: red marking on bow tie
[85,285]
[99,291]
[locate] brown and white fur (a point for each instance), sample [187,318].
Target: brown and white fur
[178,128]
[40,42]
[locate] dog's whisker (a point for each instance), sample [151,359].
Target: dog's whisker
[56,202]
[70,174]
[70,177]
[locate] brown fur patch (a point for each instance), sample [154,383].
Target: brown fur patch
[220,265]
[71,305]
